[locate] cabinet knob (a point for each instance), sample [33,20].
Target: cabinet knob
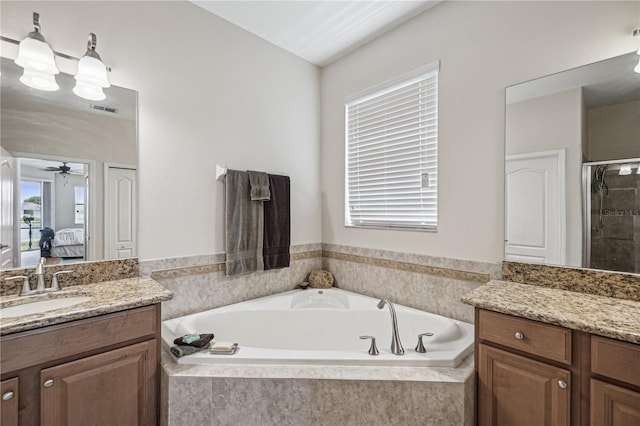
[7,396]
[562,384]
[519,335]
[48,383]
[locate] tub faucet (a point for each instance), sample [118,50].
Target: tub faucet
[396,345]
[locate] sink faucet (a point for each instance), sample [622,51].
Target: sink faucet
[396,345]
[40,275]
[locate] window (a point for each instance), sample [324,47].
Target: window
[392,152]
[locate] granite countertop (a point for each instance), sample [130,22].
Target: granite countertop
[605,316]
[106,297]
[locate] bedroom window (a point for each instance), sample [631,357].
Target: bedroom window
[392,153]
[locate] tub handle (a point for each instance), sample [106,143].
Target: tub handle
[420,346]
[373,350]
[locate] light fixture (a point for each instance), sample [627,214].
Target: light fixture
[625,169]
[92,74]
[638,171]
[636,33]
[36,57]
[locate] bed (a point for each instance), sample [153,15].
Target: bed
[68,243]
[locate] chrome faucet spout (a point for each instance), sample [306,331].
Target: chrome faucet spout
[39,273]
[396,345]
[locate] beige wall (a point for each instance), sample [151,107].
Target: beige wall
[483,48]
[550,123]
[613,132]
[209,93]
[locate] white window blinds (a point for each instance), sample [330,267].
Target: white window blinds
[392,153]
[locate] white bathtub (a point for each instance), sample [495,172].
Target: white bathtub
[322,327]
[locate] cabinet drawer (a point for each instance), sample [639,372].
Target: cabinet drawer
[548,341]
[47,344]
[615,359]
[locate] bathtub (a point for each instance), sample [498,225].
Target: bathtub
[322,327]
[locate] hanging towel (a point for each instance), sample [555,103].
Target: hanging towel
[277,224]
[259,186]
[244,222]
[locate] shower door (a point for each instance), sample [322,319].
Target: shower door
[611,194]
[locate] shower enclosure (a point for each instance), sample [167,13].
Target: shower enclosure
[611,215]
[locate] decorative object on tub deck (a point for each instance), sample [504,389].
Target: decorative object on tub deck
[303,285]
[183,350]
[259,182]
[244,224]
[277,224]
[195,340]
[320,279]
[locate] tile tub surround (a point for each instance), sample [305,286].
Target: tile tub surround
[601,283]
[432,284]
[604,316]
[84,273]
[106,297]
[199,283]
[314,395]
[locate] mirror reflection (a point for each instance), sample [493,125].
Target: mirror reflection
[68,183]
[572,168]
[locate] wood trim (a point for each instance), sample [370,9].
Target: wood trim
[22,350]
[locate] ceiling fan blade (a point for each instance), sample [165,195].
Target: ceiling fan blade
[51,169]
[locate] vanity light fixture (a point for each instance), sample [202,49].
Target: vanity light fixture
[636,33]
[92,74]
[625,169]
[36,57]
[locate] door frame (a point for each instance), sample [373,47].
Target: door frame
[560,156]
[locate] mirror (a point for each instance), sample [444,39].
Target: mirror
[572,178]
[69,172]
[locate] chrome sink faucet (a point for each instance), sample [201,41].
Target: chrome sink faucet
[396,345]
[40,285]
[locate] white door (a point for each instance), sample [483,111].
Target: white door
[121,213]
[534,208]
[7,166]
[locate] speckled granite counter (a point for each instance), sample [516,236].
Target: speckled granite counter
[106,297]
[604,316]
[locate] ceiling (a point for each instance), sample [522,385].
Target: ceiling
[318,31]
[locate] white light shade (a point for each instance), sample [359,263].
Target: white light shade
[39,80]
[638,171]
[89,91]
[92,71]
[36,55]
[625,169]
[637,68]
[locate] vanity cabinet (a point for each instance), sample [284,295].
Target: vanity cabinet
[532,373]
[9,407]
[99,371]
[615,382]
[514,388]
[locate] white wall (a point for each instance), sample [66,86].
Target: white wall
[549,123]
[614,132]
[483,47]
[209,93]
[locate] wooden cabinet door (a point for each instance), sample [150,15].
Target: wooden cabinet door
[514,390]
[613,406]
[112,388]
[10,405]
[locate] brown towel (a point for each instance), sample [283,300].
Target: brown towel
[277,224]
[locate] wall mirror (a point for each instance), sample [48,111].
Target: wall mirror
[69,173]
[572,168]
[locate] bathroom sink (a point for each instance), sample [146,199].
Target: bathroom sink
[42,306]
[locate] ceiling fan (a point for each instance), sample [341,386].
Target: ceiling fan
[64,169]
